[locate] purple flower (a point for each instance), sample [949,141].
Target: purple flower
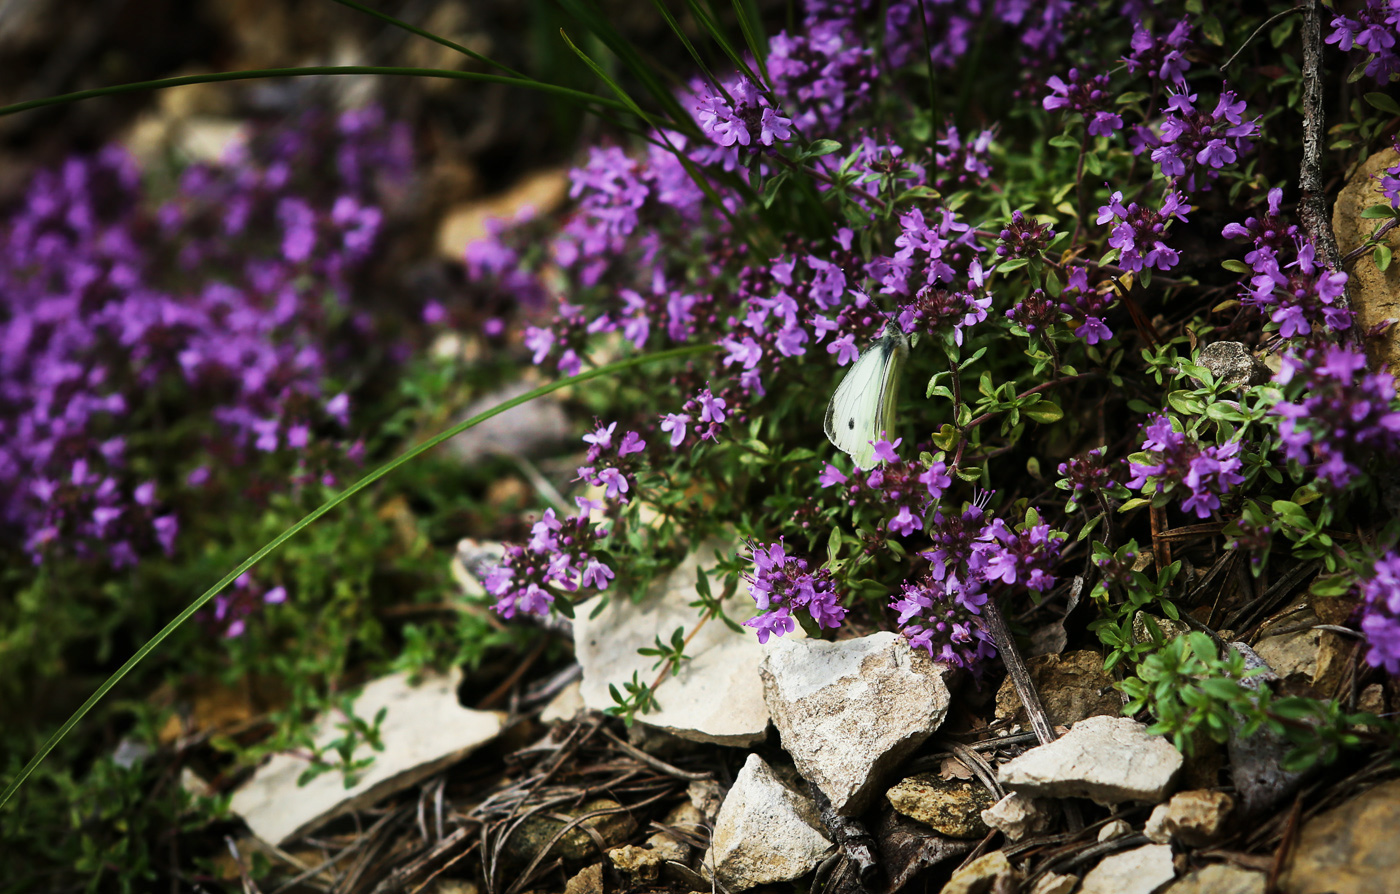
[1194,143]
[1373,31]
[1089,96]
[1380,614]
[675,423]
[1138,231]
[1173,462]
[781,584]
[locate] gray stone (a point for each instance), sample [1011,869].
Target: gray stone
[989,872]
[1194,818]
[1232,362]
[849,712]
[1142,870]
[766,832]
[1220,878]
[1351,849]
[1017,816]
[1107,759]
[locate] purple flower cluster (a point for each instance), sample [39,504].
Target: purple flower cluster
[903,491]
[1138,231]
[781,584]
[1300,298]
[556,560]
[1171,462]
[1035,313]
[1338,416]
[1194,143]
[705,410]
[1161,58]
[214,304]
[961,164]
[1087,306]
[235,606]
[612,463]
[1088,96]
[1373,31]
[1086,476]
[1389,179]
[740,115]
[1271,233]
[969,559]
[1380,614]
[1023,237]
[825,74]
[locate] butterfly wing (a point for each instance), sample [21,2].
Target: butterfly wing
[862,409]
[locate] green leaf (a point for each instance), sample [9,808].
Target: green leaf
[1382,256]
[1384,102]
[1065,141]
[1044,412]
[1378,212]
[1235,266]
[818,148]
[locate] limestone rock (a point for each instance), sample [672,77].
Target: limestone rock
[1072,686]
[1107,759]
[1220,878]
[1375,295]
[849,712]
[1116,828]
[717,697]
[424,730]
[1053,883]
[1351,849]
[985,874]
[1142,870]
[950,807]
[1194,818]
[589,880]
[1017,816]
[766,832]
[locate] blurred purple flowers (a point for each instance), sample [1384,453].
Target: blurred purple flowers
[1380,614]
[1340,416]
[115,314]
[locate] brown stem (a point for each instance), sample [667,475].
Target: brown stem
[1312,207]
[1017,670]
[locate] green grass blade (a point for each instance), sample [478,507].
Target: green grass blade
[310,71]
[717,35]
[623,49]
[315,514]
[690,167]
[413,29]
[751,26]
[676,29]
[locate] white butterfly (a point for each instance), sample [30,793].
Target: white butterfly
[862,409]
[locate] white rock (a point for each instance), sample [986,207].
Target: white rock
[717,697]
[1107,759]
[1194,818]
[1139,871]
[425,729]
[1053,883]
[765,832]
[563,706]
[1115,829]
[849,712]
[1017,816]
[989,872]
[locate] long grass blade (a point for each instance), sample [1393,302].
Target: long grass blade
[717,34]
[366,481]
[639,68]
[751,26]
[311,71]
[435,38]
